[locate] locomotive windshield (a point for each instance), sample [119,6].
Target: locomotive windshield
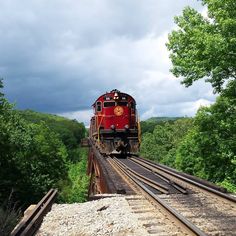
[122,104]
[109,104]
[112,104]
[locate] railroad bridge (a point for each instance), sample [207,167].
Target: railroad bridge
[176,203]
[186,199]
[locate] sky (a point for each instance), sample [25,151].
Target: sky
[58,56]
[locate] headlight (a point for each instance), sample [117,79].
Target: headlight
[126,126]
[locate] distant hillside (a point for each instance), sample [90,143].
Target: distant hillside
[35,117]
[69,131]
[160,119]
[149,124]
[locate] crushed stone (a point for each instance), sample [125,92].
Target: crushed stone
[110,216]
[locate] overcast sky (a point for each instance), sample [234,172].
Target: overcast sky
[58,56]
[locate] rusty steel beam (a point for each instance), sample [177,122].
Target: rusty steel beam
[98,169]
[32,222]
[103,177]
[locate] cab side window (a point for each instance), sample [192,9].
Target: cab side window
[98,106]
[132,105]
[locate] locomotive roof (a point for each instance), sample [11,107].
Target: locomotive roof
[113,92]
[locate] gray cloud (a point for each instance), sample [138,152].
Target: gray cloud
[58,56]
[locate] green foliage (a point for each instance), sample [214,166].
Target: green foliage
[46,162]
[70,131]
[147,127]
[162,119]
[34,151]
[1,94]
[209,150]
[204,146]
[9,216]
[148,147]
[205,47]
[227,183]
[76,190]
[32,158]
[162,143]
[38,152]
[149,124]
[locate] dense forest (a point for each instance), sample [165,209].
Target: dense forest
[203,146]
[38,152]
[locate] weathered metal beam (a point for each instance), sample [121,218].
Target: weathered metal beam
[103,177]
[32,222]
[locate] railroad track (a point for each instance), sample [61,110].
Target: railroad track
[29,225]
[173,175]
[200,209]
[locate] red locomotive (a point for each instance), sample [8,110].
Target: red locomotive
[114,128]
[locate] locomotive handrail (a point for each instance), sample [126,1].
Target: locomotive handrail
[139,129]
[98,128]
[106,115]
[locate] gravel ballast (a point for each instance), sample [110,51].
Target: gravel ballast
[107,216]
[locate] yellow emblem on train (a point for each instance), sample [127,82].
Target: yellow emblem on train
[118,111]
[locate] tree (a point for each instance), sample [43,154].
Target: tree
[209,149]
[32,157]
[161,145]
[205,47]
[149,148]
[70,131]
[2,99]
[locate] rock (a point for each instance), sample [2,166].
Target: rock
[106,216]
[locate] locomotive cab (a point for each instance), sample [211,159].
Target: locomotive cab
[114,128]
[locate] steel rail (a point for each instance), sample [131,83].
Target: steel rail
[32,222]
[209,189]
[194,178]
[151,183]
[163,177]
[195,230]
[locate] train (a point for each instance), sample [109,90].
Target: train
[114,126]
